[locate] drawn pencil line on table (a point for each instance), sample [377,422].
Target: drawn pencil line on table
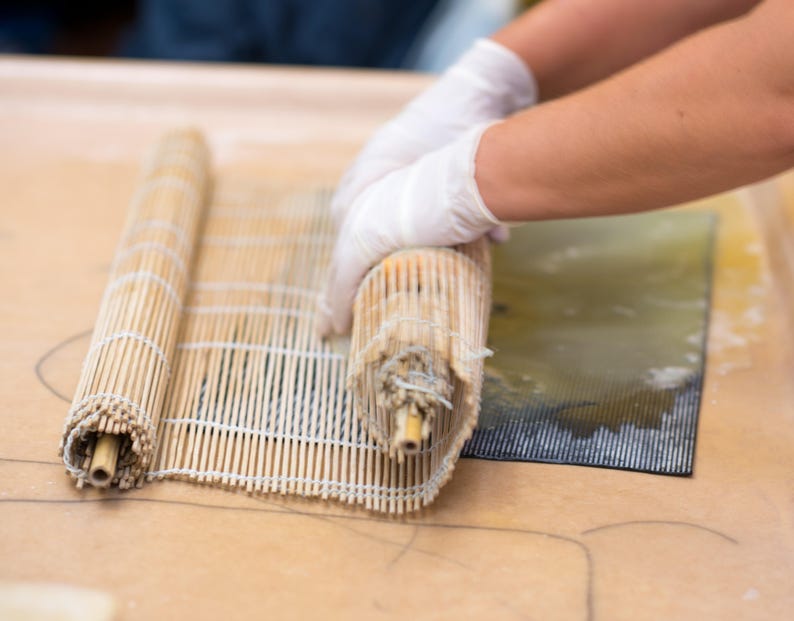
[404,548]
[39,366]
[334,518]
[683,523]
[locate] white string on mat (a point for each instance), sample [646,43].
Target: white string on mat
[251,309]
[255,287]
[269,240]
[145,277]
[270,349]
[136,336]
[155,246]
[167,181]
[161,225]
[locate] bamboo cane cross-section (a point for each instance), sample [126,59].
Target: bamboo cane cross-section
[206,364]
[104,460]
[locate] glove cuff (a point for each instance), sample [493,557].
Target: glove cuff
[480,216]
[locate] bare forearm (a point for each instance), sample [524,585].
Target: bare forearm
[570,44]
[714,112]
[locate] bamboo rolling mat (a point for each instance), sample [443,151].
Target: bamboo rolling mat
[204,363]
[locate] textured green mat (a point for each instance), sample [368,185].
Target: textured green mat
[598,329]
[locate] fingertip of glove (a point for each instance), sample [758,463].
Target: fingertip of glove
[342,313]
[339,205]
[334,309]
[323,323]
[342,322]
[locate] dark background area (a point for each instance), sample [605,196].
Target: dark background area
[367,33]
[88,28]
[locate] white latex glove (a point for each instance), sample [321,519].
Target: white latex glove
[433,202]
[488,83]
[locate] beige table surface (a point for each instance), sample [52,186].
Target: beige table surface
[504,540]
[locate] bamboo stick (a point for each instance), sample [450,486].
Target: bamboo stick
[407,436]
[102,468]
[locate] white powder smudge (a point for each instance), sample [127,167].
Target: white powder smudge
[692,357]
[722,333]
[696,338]
[666,378]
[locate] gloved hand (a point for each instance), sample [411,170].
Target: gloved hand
[433,202]
[488,83]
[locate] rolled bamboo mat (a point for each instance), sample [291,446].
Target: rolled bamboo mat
[125,374]
[206,363]
[418,343]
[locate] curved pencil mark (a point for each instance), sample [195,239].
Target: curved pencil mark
[324,518]
[408,545]
[665,523]
[281,510]
[332,517]
[40,363]
[31,461]
[589,604]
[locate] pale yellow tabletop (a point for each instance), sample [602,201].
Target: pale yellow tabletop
[503,541]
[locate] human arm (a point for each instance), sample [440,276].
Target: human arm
[620,145]
[713,112]
[571,44]
[567,44]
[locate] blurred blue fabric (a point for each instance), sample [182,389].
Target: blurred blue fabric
[29,31]
[452,28]
[364,33]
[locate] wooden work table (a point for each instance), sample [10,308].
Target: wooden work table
[503,541]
